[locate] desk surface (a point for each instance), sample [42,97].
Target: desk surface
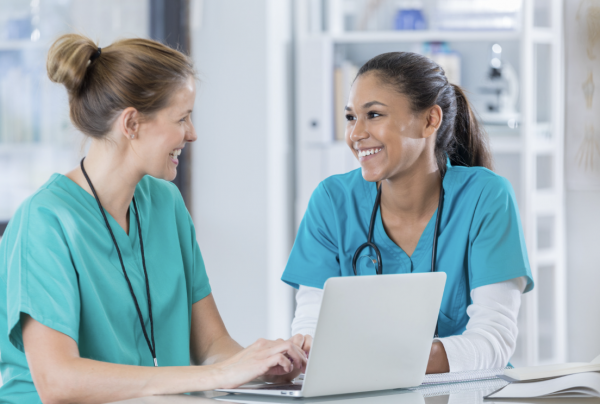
[457,393]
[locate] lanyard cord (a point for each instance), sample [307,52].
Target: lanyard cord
[152,345]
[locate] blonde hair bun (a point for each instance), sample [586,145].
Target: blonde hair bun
[68,60]
[134,72]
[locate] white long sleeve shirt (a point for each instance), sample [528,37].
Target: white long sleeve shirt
[488,341]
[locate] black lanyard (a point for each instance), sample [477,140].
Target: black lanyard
[152,345]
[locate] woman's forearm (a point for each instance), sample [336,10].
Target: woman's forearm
[85,381]
[60,375]
[222,349]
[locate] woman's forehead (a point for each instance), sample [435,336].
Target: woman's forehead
[369,89]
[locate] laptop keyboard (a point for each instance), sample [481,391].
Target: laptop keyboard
[294,387]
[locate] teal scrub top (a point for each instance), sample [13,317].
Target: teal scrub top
[480,238]
[58,264]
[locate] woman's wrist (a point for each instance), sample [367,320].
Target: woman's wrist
[214,376]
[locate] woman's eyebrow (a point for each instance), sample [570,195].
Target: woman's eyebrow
[367,105]
[371,103]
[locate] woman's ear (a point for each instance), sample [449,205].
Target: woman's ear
[129,122]
[434,118]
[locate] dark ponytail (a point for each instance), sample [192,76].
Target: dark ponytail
[472,146]
[460,136]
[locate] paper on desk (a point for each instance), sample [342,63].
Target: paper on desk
[575,385]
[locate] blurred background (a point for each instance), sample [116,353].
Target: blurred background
[274,76]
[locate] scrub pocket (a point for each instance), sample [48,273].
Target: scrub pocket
[446,325]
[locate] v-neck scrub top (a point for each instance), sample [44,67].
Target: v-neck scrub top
[480,238]
[59,265]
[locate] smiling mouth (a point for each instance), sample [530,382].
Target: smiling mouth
[175,153]
[368,152]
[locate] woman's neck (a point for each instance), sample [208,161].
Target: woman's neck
[414,194]
[113,177]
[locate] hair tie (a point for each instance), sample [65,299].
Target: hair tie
[96,55]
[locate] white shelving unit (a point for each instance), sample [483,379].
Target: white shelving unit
[530,155]
[36,136]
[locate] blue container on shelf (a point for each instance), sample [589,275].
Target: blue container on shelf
[18,28]
[409,16]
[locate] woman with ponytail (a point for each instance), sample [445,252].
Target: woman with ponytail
[103,291]
[421,150]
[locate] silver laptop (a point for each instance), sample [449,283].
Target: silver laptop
[373,333]
[377,397]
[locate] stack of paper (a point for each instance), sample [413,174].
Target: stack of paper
[564,380]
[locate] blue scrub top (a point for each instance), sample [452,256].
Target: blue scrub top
[480,238]
[58,264]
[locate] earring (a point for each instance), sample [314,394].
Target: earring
[132,136]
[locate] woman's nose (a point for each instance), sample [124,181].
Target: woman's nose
[358,131]
[190,135]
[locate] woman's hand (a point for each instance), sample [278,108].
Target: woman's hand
[273,361]
[304,342]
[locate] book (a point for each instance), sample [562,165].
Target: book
[570,386]
[549,371]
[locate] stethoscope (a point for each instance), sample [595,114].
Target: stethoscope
[370,243]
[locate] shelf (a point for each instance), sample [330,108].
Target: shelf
[22,45]
[547,202]
[424,36]
[546,258]
[30,147]
[506,144]
[542,35]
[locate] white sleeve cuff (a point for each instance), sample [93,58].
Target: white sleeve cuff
[308,304]
[491,335]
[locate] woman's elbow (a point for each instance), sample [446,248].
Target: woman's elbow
[52,394]
[54,387]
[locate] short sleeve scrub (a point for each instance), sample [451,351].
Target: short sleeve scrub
[480,238]
[59,265]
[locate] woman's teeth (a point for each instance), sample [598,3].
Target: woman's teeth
[175,153]
[363,153]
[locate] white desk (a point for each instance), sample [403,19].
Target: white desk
[458,393]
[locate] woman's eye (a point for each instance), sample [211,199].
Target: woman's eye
[183,119]
[350,118]
[373,115]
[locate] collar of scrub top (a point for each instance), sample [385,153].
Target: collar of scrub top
[370,243]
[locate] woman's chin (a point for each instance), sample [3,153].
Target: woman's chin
[168,175]
[172,175]
[371,176]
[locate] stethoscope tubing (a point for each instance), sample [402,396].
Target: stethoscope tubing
[370,243]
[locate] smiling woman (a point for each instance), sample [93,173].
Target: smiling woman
[92,302]
[426,174]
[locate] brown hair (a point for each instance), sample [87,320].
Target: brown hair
[136,72]
[460,136]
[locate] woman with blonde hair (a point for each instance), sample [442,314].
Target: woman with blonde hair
[103,291]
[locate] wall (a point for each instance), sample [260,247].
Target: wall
[583,183]
[583,275]
[240,167]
